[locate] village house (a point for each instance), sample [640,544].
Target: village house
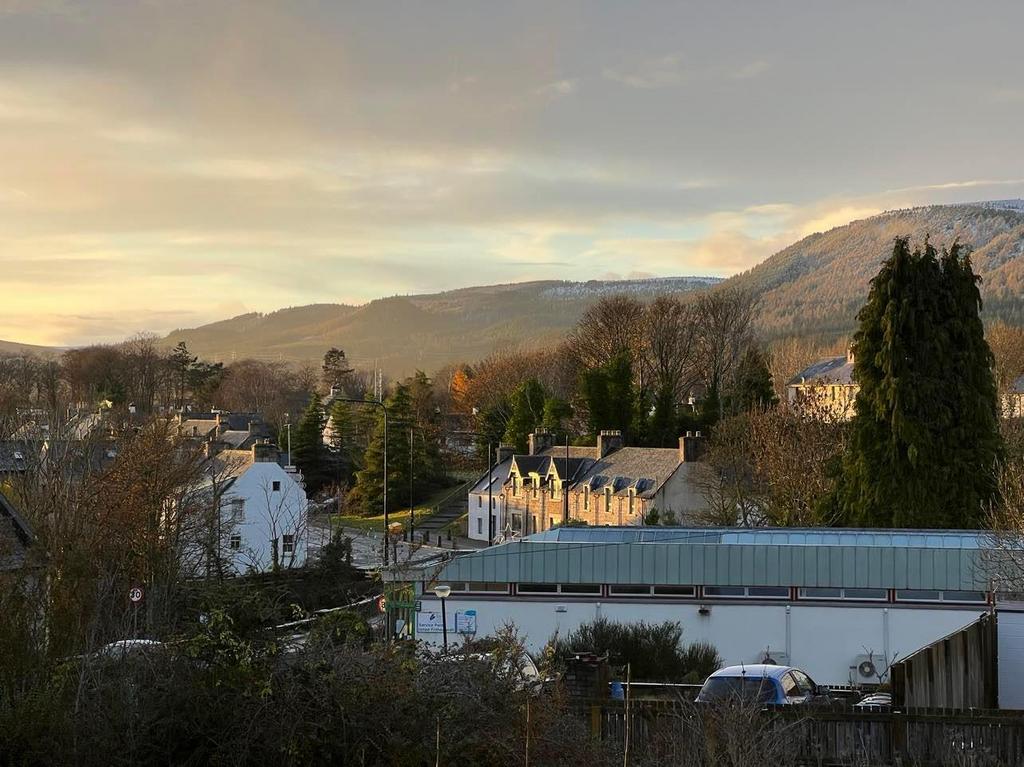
[826,388]
[608,484]
[260,518]
[236,431]
[16,538]
[1013,400]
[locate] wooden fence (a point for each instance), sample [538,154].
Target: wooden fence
[671,732]
[957,671]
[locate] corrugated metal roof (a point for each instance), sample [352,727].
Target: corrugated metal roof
[681,556]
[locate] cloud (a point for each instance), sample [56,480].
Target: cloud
[662,72]
[557,88]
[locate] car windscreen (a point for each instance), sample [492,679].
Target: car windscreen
[755,689]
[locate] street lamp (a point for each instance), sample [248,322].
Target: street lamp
[442,593]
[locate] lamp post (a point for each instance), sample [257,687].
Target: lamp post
[288,428]
[382,406]
[442,592]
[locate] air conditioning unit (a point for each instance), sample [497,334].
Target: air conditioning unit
[866,668]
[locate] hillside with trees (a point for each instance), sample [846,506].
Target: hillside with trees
[815,287]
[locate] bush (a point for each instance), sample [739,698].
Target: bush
[655,651]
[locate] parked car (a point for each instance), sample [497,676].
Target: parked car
[761,683]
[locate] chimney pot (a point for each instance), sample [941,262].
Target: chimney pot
[608,440]
[540,441]
[691,447]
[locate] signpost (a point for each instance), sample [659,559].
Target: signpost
[135,597]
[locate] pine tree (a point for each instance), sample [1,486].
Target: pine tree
[309,452]
[924,438]
[427,467]
[342,438]
[610,396]
[752,385]
[527,414]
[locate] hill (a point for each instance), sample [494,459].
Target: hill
[815,287]
[403,333]
[18,349]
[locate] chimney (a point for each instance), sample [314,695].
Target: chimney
[253,426]
[691,447]
[540,440]
[264,451]
[503,453]
[208,449]
[195,430]
[608,440]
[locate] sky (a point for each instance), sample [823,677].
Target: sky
[168,164]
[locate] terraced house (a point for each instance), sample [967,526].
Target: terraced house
[607,484]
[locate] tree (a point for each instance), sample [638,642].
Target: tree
[724,317]
[527,414]
[180,361]
[925,442]
[426,470]
[609,396]
[309,453]
[336,371]
[556,412]
[752,384]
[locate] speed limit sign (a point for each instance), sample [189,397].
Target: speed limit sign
[135,595]
[382,604]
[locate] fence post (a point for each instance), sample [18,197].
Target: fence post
[625,750]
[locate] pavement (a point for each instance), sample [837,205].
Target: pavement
[368,547]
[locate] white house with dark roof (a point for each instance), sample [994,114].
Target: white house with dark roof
[261,511]
[826,388]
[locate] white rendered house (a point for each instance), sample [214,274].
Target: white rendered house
[263,522]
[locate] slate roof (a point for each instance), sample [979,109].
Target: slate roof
[16,455]
[15,536]
[498,475]
[838,370]
[623,468]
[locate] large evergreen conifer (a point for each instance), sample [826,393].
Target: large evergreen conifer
[924,439]
[309,452]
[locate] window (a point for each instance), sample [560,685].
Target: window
[964,596]
[725,591]
[752,689]
[586,498]
[607,499]
[275,486]
[479,501]
[554,588]
[632,498]
[675,591]
[767,591]
[479,526]
[629,591]
[538,588]
[474,587]
[551,522]
[238,510]
[236,542]
[917,595]
[789,687]
[755,592]
[287,544]
[820,592]
[580,588]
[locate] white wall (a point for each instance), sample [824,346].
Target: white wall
[269,514]
[823,639]
[681,495]
[478,511]
[1010,629]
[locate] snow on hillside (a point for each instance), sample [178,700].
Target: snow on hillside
[653,286]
